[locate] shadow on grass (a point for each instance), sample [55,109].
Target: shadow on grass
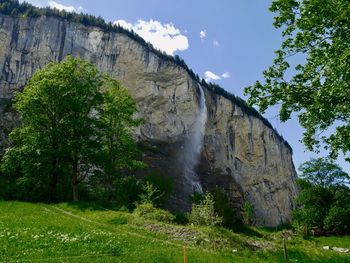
[90,206]
[120,220]
[246,230]
[278,228]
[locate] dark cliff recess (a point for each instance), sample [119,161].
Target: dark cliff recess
[14,8]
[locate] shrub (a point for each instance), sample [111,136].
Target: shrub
[224,209]
[163,183]
[128,192]
[204,212]
[149,212]
[248,212]
[181,218]
[150,194]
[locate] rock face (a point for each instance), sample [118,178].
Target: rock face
[240,153]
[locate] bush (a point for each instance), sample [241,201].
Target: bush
[150,194]
[204,212]
[224,209]
[163,183]
[338,219]
[248,213]
[181,218]
[149,212]
[128,192]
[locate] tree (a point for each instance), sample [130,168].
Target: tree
[323,200]
[204,212]
[324,173]
[55,137]
[75,122]
[318,88]
[117,120]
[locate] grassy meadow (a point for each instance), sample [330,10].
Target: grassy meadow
[87,233]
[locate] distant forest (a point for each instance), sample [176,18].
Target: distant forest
[14,8]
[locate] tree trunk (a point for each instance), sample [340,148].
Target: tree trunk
[75,192]
[53,187]
[54,163]
[54,180]
[75,174]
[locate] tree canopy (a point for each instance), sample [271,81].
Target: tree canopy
[321,172]
[75,122]
[324,198]
[317,86]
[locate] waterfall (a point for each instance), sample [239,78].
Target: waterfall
[194,145]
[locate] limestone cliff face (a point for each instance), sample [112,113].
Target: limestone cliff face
[240,154]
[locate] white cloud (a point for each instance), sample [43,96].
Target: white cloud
[216,43]
[165,37]
[210,76]
[54,4]
[38,3]
[67,8]
[124,24]
[203,34]
[226,75]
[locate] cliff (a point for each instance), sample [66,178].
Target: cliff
[241,152]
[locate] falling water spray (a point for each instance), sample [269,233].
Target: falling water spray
[194,145]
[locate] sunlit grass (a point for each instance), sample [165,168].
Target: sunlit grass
[87,233]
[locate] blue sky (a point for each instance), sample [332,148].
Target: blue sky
[229,42]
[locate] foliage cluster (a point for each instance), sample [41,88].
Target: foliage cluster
[324,199]
[147,211]
[248,213]
[204,212]
[310,74]
[224,209]
[75,135]
[162,184]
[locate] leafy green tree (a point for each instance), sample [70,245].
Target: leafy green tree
[323,173]
[55,137]
[204,212]
[75,122]
[338,217]
[317,88]
[323,200]
[117,121]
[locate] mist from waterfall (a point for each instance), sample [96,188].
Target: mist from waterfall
[194,145]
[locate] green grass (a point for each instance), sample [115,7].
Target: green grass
[87,233]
